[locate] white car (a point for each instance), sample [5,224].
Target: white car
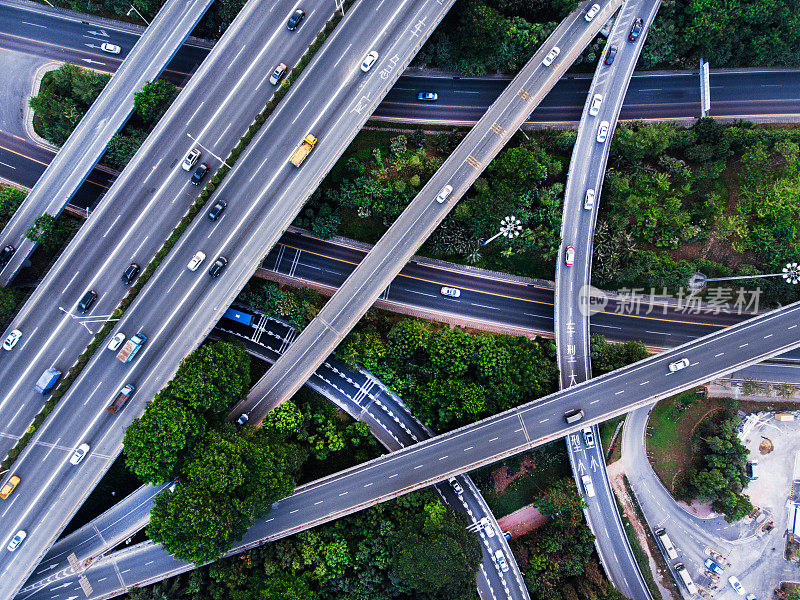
[736,585]
[196,261]
[278,74]
[369,60]
[191,159]
[450,291]
[588,437]
[678,365]
[116,341]
[501,560]
[551,56]
[592,12]
[16,540]
[569,256]
[444,193]
[456,486]
[588,201]
[12,339]
[588,486]
[487,526]
[602,132]
[110,48]
[594,108]
[79,454]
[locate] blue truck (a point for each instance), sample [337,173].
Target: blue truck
[47,380]
[131,347]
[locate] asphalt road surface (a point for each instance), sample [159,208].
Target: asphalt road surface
[87,143]
[484,442]
[586,171]
[146,202]
[425,212]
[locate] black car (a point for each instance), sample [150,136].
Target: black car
[87,300]
[217,267]
[130,274]
[296,19]
[200,173]
[6,254]
[636,30]
[216,210]
[612,52]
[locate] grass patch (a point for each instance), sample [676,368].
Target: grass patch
[670,428]
[607,430]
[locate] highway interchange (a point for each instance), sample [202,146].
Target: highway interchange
[67,319]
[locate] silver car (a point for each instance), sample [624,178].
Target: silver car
[551,56]
[16,540]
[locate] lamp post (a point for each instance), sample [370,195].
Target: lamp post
[510,227]
[790,274]
[133,8]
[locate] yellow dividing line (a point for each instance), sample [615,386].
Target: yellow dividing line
[9,150]
[496,294]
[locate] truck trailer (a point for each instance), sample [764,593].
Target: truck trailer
[303,150]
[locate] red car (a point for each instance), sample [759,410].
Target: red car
[569,256]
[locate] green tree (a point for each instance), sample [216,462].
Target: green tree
[154,99]
[41,227]
[436,556]
[154,442]
[213,377]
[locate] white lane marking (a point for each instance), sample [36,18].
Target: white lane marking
[493,439]
[594,401]
[64,291]
[645,382]
[468,448]
[742,346]
[768,336]
[35,24]
[301,111]
[344,493]
[51,449]
[320,502]
[294,511]
[366,485]
[442,457]
[395,475]
[343,55]
[718,355]
[619,392]
[544,421]
[417,467]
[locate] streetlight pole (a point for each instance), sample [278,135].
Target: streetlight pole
[133,8]
[510,227]
[790,274]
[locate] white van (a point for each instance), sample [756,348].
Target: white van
[686,578]
[662,536]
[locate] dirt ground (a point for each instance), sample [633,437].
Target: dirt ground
[522,521]
[502,479]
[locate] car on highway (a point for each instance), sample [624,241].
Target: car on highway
[551,56]
[6,254]
[87,301]
[588,486]
[79,454]
[116,342]
[450,291]
[295,20]
[588,437]
[9,486]
[751,597]
[678,365]
[278,74]
[217,267]
[428,96]
[196,261]
[456,486]
[588,201]
[736,585]
[243,418]
[602,132]
[444,193]
[369,60]
[714,567]
[199,173]
[592,12]
[487,526]
[216,210]
[636,30]
[501,560]
[130,274]
[569,256]
[573,416]
[191,159]
[12,339]
[594,108]
[610,55]
[110,48]
[18,538]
